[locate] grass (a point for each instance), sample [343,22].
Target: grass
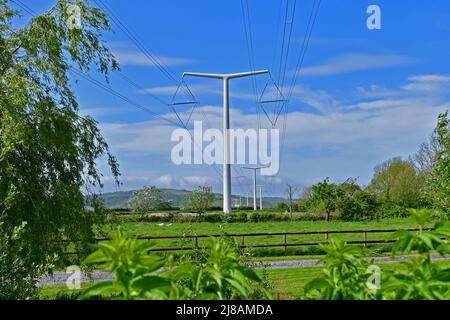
[52,292]
[288,283]
[184,228]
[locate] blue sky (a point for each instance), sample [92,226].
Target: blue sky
[363,95]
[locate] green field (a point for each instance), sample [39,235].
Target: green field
[179,229]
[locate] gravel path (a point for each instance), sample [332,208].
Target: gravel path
[59,277]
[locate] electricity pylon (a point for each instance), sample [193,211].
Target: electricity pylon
[254,183]
[260,197]
[226,126]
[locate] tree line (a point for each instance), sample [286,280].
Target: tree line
[421,181]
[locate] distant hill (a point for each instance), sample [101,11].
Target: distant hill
[119,199]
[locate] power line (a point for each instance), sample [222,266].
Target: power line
[150,55]
[109,89]
[250,52]
[304,48]
[291,26]
[305,44]
[119,95]
[138,43]
[95,82]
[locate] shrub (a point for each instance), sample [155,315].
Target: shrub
[391,210]
[148,199]
[218,275]
[199,200]
[219,217]
[282,207]
[359,205]
[346,275]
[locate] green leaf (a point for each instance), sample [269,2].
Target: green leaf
[249,273]
[101,288]
[152,263]
[239,286]
[317,283]
[96,257]
[147,283]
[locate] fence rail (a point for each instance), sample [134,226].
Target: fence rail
[243,236]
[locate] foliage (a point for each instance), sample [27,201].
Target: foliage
[345,274]
[439,183]
[424,158]
[357,205]
[199,199]
[138,275]
[47,151]
[326,194]
[391,210]
[420,278]
[397,181]
[132,267]
[221,277]
[17,277]
[282,207]
[148,199]
[236,217]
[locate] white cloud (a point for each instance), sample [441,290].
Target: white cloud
[126,54]
[139,59]
[198,90]
[428,83]
[100,111]
[343,140]
[353,62]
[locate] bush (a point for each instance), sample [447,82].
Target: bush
[148,199]
[359,205]
[217,275]
[391,210]
[347,276]
[238,217]
[284,207]
[199,200]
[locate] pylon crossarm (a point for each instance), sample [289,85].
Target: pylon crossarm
[183,103]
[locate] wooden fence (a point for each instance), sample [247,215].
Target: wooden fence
[283,244]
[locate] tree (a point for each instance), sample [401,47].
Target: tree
[291,190]
[200,199]
[426,155]
[48,152]
[397,181]
[148,199]
[326,194]
[357,205]
[439,183]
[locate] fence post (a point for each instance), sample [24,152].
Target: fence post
[196,241]
[326,236]
[285,244]
[243,241]
[365,238]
